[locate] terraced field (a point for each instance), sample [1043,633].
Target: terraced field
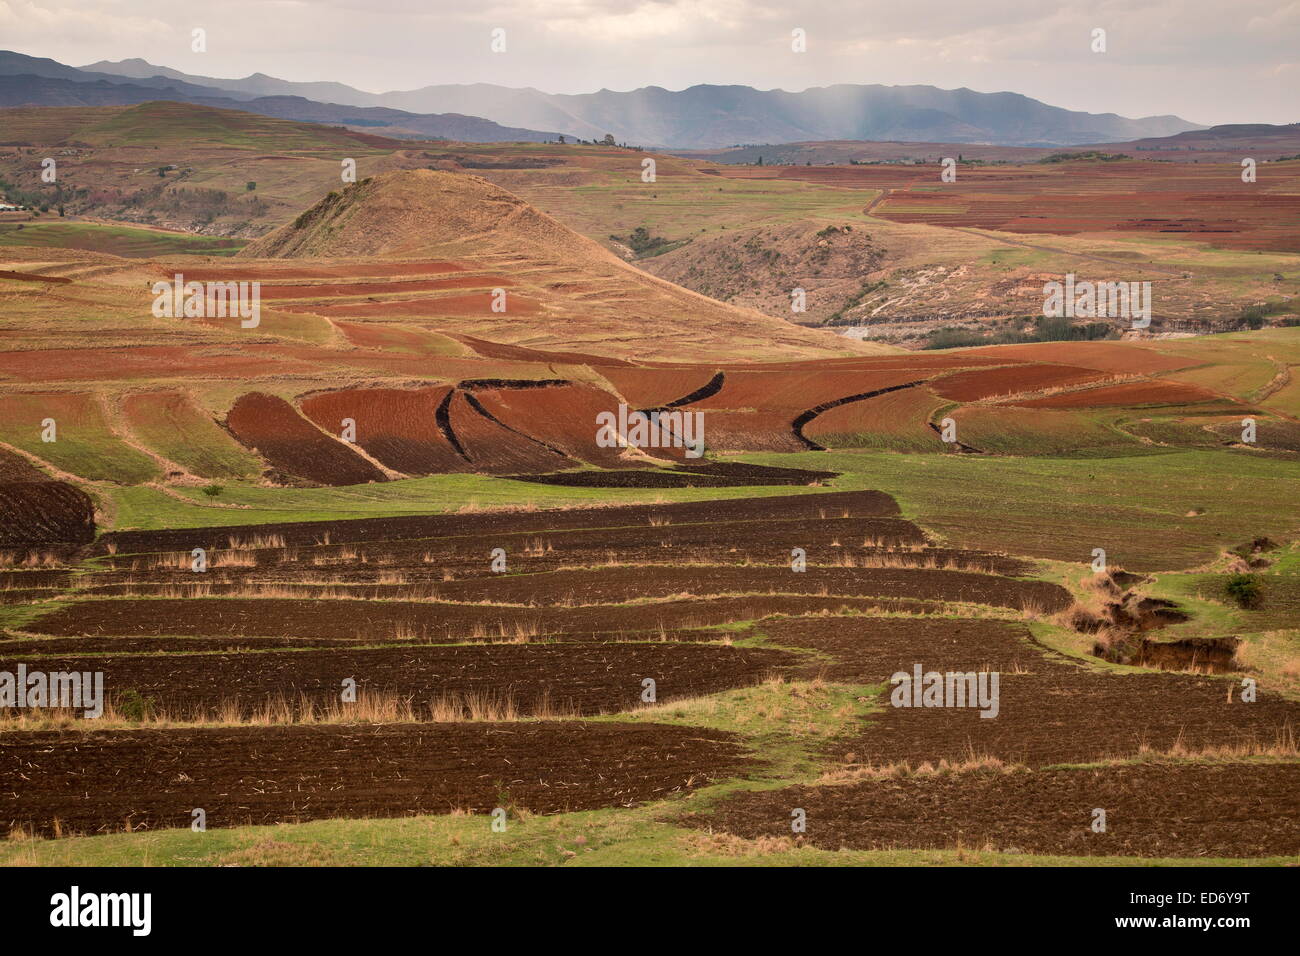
[1208,202]
[381,550]
[392,667]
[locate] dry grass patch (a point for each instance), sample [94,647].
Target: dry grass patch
[369,708]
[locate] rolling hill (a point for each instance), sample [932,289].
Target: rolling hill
[562,290]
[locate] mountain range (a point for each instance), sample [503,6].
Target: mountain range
[700,117]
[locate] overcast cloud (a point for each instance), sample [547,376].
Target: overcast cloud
[1209,62]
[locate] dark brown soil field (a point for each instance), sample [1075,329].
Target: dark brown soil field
[1162,809]
[565,679]
[829,542]
[616,585]
[864,504]
[1041,697]
[592,602]
[385,621]
[646,479]
[17,468]
[45,512]
[288,774]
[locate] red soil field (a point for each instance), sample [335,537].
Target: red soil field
[370,335]
[388,363]
[521,353]
[477,304]
[896,420]
[1103,356]
[328,289]
[757,410]
[1156,392]
[911,361]
[493,447]
[797,390]
[269,272]
[1206,201]
[399,427]
[655,387]
[271,427]
[562,416]
[144,362]
[989,383]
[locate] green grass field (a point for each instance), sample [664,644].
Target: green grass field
[83,442]
[1137,508]
[125,241]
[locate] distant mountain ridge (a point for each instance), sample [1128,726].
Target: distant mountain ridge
[66,86]
[700,117]
[705,117]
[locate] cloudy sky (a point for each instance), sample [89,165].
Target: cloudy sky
[1209,61]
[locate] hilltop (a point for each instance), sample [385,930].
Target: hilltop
[579,294]
[412,212]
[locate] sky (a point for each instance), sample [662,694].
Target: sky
[1233,61]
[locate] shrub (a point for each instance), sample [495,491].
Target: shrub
[1245,589]
[134,706]
[212,490]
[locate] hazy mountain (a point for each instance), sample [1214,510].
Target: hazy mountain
[713,116]
[29,81]
[19,64]
[705,117]
[701,117]
[30,90]
[259,84]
